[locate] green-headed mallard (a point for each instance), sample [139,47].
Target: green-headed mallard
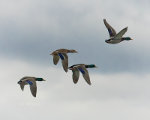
[115,38]
[30,81]
[62,54]
[83,69]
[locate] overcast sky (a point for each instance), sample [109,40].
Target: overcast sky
[31,29]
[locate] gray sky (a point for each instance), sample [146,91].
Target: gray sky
[31,29]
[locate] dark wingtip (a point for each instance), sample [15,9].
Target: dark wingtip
[126,28]
[104,20]
[75,82]
[66,70]
[55,63]
[34,95]
[89,83]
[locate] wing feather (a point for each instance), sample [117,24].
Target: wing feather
[65,62]
[121,33]
[33,88]
[22,86]
[85,74]
[75,75]
[55,59]
[111,30]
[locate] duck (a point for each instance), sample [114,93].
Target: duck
[31,81]
[77,68]
[62,54]
[116,37]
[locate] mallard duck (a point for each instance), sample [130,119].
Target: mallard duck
[116,38]
[30,81]
[83,69]
[62,54]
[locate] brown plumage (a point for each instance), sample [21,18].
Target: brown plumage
[31,81]
[62,54]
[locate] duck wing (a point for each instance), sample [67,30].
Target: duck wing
[33,88]
[75,75]
[110,29]
[55,59]
[85,74]
[121,33]
[65,62]
[22,86]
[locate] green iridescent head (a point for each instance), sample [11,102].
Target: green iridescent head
[91,66]
[127,38]
[39,79]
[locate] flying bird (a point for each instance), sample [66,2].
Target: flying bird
[62,54]
[77,68]
[115,38]
[31,81]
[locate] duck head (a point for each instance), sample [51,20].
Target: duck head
[91,66]
[127,38]
[72,51]
[39,79]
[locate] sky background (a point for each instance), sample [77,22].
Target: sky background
[31,29]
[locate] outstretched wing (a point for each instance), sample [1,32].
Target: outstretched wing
[121,33]
[111,30]
[22,86]
[85,73]
[55,59]
[33,88]
[65,62]
[75,75]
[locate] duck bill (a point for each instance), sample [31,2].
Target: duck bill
[96,67]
